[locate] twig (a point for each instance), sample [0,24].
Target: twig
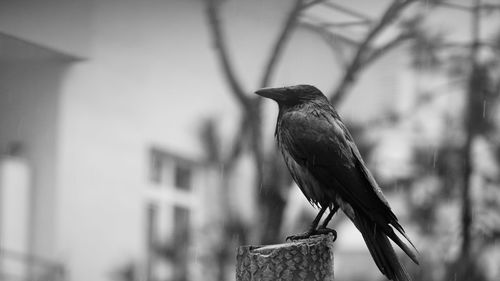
[332,39]
[455,6]
[382,50]
[467,45]
[347,11]
[355,64]
[322,30]
[490,7]
[346,24]
[311,3]
[485,7]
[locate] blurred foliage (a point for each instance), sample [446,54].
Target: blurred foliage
[434,190]
[426,48]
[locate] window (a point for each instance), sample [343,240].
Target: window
[170,170]
[168,247]
[182,176]
[156,169]
[169,213]
[181,241]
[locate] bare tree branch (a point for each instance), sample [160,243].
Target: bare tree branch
[485,7]
[467,45]
[490,7]
[347,11]
[332,39]
[455,6]
[475,86]
[323,31]
[277,50]
[221,49]
[311,3]
[346,24]
[237,147]
[387,47]
[355,64]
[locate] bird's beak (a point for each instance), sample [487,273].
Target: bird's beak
[277,94]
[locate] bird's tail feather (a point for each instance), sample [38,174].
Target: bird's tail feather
[381,249]
[411,253]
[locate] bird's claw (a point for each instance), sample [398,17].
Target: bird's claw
[326,230]
[300,236]
[316,232]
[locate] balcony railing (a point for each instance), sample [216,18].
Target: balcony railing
[16,266]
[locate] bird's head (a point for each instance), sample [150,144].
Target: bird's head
[292,95]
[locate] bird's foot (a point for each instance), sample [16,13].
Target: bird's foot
[300,236]
[326,230]
[313,232]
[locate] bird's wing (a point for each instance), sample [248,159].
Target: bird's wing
[322,145]
[369,177]
[360,164]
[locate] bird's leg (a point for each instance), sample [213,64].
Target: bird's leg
[330,216]
[312,230]
[323,229]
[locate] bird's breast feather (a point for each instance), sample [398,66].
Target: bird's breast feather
[318,140]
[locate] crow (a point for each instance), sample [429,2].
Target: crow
[325,163]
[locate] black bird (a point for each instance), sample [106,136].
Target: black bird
[327,166]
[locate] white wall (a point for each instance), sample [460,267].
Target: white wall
[149,79]
[29,114]
[58,24]
[15,190]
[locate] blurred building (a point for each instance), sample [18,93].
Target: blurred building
[105,99]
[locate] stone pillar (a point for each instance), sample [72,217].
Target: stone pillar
[309,259]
